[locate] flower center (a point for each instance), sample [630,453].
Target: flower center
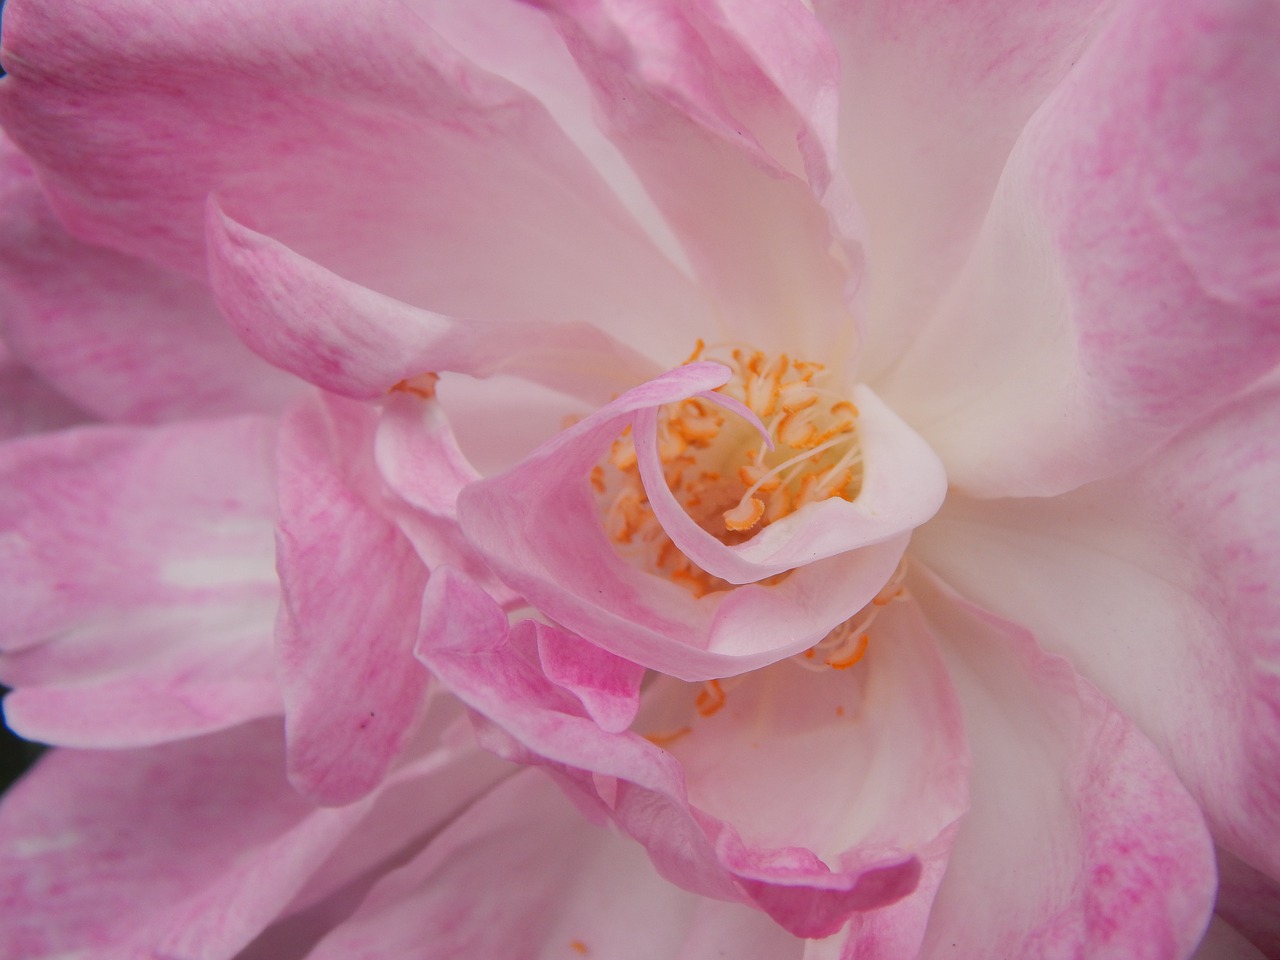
[721,470]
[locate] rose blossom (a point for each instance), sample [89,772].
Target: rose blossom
[835,445]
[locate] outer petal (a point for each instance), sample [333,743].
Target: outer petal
[1125,282]
[642,786]
[122,338]
[538,526]
[521,874]
[1159,587]
[138,590]
[356,342]
[1080,839]
[933,95]
[725,110]
[408,170]
[352,592]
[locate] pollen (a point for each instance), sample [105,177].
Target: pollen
[729,479]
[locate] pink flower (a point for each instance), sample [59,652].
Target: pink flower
[836,446]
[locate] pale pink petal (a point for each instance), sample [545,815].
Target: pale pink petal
[1159,589]
[539,528]
[123,339]
[352,587]
[933,94]
[725,110]
[28,404]
[638,784]
[1089,326]
[1250,902]
[1080,840]
[351,340]
[373,148]
[521,874]
[139,594]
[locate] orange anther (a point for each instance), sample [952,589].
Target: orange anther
[745,515]
[423,385]
[577,946]
[844,661]
[665,740]
[710,698]
[597,478]
[698,347]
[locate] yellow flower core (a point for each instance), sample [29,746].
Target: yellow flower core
[721,470]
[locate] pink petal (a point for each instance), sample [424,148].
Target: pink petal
[122,338]
[352,592]
[725,112]
[1158,586]
[356,342]
[1088,327]
[139,594]
[409,171]
[521,874]
[1080,840]
[933,94]
[539,528]
[465,643]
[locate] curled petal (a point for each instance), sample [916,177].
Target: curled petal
[539,528]
[353,341]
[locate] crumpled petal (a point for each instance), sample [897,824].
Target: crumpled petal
[442,185]
[1158,587]
[1088,327]
[353,341]
[538,526]
[138,593]
[645,790]
[122,338]
[1080,839]
[352,586]
[522,874]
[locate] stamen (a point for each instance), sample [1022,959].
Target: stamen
[769,441]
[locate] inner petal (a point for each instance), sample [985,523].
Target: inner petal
[731,476]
